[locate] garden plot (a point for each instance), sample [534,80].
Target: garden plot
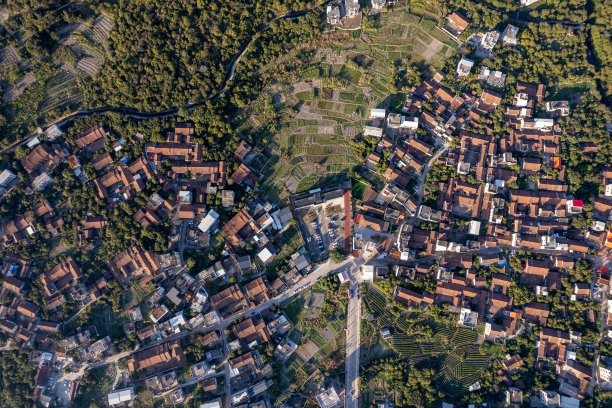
[62,90]
[328,333]
[405,35]
[9,56]
[20,86]
[461,368]
[89,65]
[102,27]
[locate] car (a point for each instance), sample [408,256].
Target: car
[351,292]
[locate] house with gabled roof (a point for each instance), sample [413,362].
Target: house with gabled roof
[257,290]
[162,357]
[134,264]
[456,24]
[61,276]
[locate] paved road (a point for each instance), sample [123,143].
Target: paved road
[226,372]
[353,328]
[321,271]
[595,380]
[135,114]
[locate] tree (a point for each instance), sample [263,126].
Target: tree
[337,255]
[521,293]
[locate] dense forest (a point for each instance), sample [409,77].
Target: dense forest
[170,54]
[16,379]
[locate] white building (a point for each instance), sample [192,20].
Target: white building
[53,132]
[378,113]
[509,35]
[33,142]
[185,197]
[544,124]
[333,14]
[42,181]
[464,67]
[378,4]
[6,178]
[373,131]
[468,318]
[351,7]
[368,273]
[328,398]
[199,300]
[410,123]
[488,41]
[527,3]
[207,222]
[282,218]
[605,374]
[474,227]
[212,404]
[119,397]
[265,255]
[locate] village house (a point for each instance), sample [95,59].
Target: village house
[17,230]
[456,24]
[179,146]
[249,224]
[213,173]
[410,298]
[242,151]
[243,176]
[61,276]
[252,331]
[90,228]
[134,263]
[92,139]
[123,182]
[257,291]
[229,301]
[159,358]
[43,159]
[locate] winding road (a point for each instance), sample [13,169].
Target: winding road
[143,115]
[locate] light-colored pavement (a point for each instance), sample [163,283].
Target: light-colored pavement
[226,371]
[353,329]
[322,270]
[595,380]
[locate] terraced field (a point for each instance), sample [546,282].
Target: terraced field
[62,90]
[461,368]
[332,97]
[316,144]
[411,35]
[453,349]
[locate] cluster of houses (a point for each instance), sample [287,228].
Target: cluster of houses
[178,183]
[509,192]
[159,362]
[516,186]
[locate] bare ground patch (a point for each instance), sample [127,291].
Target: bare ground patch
[328,334]
[308,350]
